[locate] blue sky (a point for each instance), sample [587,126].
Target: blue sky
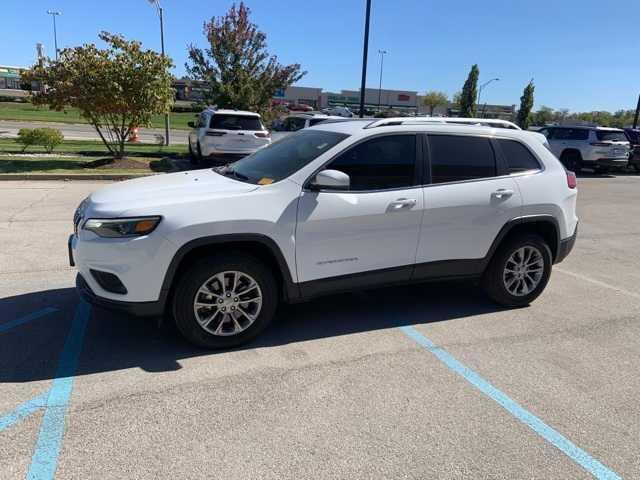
[582,54]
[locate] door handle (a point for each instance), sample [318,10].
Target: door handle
[401,203]
[502,193]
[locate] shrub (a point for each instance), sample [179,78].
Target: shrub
[49,138]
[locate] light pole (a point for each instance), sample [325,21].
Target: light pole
[365,51]
[160,15]
[483,86]
[54,14]
[382,54]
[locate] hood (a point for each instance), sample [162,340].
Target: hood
[158,190]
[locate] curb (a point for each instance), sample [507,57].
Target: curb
[73,176]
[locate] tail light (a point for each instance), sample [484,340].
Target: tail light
[262,134]
[215,134]
[572,181]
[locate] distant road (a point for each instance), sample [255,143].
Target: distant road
[78,131]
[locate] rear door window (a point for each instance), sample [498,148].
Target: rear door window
[223,121]
[519,158]
[571,134]
[456,158]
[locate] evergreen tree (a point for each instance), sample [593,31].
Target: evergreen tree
[526,104]
[470,93]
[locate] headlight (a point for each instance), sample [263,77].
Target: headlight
[121,227]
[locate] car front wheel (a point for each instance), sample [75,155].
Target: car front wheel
[519,271]
[225,300]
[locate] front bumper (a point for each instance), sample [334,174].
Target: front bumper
[565,247]
[139,309]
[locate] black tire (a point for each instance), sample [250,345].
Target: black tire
[493,281]
[572,161]
[196,275]
[193,159]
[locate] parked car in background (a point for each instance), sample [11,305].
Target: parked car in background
[336,207]
[338,112]
[226,135]
[581,146]
[633,134]
[299,107]
[298,121]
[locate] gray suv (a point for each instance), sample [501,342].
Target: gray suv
[599,148]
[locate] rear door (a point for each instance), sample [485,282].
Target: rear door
[468,200]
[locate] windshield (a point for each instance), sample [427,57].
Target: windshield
[235,122]
[611,136]
[284,157]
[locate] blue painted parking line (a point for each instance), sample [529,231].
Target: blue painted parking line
[5,327]
[575,453]
[23,411]
[44,460]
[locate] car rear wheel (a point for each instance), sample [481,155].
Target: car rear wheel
[225,300]
[519,271]
[193,158]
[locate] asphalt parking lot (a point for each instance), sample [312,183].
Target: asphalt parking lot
[415,382]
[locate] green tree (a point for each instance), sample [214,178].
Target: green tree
[526,104]
[434,99]
[237,69]
[470,93]
[117,89]
[543,116]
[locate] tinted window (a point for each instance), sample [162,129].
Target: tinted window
[235,122]
[519,158]
[293,124]
[284,157]
[384,162]
[571,134]
[456,158]
[316,121]
[611,136]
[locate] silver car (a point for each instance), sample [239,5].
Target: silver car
[599,148]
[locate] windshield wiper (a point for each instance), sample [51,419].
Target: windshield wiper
[230,172]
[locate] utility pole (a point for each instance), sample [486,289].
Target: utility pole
[364,57]
[635,119]
[161,16]
[480,92]
[54,14]
[382,54]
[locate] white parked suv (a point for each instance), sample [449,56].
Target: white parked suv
[226,135]
[331,208]
[599,148]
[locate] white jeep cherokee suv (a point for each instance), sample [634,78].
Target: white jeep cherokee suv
[335,207]
[226,135]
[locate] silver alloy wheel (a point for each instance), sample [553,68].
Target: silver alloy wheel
[228,303]
[523,271]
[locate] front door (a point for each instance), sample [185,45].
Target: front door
[370,229]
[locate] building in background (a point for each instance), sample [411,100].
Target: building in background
[10,77]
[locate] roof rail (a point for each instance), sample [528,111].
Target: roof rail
[483,122]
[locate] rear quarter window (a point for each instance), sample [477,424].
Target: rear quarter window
[518,157]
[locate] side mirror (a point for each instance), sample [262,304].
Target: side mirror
[331,180]
[191,124]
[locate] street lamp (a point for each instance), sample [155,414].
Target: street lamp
[54,14]
[483,86]
[382,54]
[365,51]
[160,15]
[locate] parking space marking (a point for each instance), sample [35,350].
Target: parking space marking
[552,436]
[44,460]
[598,282]
[23,411]
[5,327]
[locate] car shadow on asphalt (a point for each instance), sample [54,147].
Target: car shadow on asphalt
[115,341]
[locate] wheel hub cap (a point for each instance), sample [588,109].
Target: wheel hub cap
[227,303]
[523,271]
